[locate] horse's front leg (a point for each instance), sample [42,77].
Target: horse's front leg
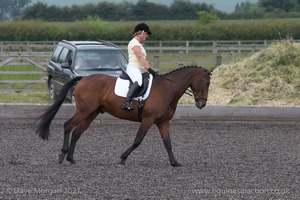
[137,141]
[165,134]
[143,129]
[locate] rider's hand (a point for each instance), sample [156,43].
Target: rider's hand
[151,71]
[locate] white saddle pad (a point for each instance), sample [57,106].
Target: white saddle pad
[122,87]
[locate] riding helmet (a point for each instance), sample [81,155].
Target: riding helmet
[142,27]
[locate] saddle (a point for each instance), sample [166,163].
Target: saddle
[124,82]
[144,86]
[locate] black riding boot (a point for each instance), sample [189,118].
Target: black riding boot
[128,101]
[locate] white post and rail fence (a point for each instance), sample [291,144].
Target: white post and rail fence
[163,56]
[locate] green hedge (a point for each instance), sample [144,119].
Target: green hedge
[162,30]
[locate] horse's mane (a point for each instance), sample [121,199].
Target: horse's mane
[184,67]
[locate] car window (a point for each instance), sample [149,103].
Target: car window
[56,53]
[102,58]
[63,57]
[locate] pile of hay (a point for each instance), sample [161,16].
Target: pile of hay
[269,77]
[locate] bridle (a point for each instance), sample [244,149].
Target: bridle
[197,98]
[188,91]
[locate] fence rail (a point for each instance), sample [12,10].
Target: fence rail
[179,53]
[157,46]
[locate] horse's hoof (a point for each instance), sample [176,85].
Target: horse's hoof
[61,158]
[71,160]
[122,162]
[176,164]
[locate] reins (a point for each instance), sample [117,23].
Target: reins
[187,91]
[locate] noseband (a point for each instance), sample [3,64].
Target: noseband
[197,98]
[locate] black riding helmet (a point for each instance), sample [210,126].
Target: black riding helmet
[142,27]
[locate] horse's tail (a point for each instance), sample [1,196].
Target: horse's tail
[46,118]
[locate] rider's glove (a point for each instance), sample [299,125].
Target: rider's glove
[151,71]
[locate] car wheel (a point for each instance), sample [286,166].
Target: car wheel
[52,92]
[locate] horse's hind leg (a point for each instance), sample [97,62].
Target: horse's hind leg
[65,148]
[80,128]
[75,137]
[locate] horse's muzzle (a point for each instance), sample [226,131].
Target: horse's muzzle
[201,103]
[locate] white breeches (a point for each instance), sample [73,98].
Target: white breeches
[135,73]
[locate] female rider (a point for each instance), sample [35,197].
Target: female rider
[137,62]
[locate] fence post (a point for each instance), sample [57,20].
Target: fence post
[232,56]
[253,48]
[156,62]
[187,45]
[160,46]
[215,48]
[218,60]
[28,46]
[180,59]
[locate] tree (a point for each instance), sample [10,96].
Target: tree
[247,10]
[206,17]
[237,8]
[108,11]
[37,11]
[144,10]
[12,8]
[286,5]
[183,9]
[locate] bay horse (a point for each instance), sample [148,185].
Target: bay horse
[94,94]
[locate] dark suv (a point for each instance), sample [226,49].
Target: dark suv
[82,58]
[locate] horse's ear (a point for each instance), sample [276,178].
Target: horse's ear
[212,69]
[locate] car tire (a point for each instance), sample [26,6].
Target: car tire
[52,92]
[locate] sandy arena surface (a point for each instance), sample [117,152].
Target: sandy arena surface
[221,160]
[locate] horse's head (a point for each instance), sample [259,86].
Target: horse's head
[199,86]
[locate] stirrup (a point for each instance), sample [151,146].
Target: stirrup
[127,106]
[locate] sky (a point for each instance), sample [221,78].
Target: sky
[222,5]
